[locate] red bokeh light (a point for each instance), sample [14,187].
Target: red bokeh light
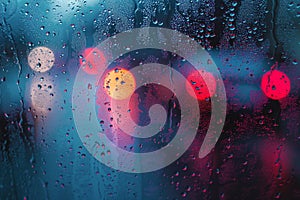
[202,89]
[275,84]
[92,60]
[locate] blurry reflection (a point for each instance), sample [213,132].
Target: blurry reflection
[42,93]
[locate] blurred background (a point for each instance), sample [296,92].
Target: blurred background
[256,46]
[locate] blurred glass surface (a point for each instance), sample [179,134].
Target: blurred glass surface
[42,44]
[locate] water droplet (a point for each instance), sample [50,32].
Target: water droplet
[295,62]
[234,3]
[184,194]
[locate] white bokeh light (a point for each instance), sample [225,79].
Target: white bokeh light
[41,59]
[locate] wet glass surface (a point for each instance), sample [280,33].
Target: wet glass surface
[254,44]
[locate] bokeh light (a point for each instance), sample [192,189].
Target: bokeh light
[119,83]
[275,84]
[91,60]
[42,93]
[41,59]
[203,83]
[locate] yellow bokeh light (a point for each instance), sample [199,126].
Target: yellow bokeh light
[119,83]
